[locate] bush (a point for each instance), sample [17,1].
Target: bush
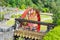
[53,34]
[23,6]
[58,22]
[45,10]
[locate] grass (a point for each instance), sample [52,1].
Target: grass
[43,27]
[48,21]
[45,16]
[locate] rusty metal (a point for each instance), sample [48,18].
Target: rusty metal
[29,34]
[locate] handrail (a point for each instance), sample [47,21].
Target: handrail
[35,22]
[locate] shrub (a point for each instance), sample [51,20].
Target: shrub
[53,34]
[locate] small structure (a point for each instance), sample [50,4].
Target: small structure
[29,25]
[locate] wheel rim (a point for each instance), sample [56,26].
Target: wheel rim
[30,13]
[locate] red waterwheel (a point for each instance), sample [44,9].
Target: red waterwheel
[31,14]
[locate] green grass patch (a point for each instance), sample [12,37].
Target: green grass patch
[45,16]
[48,21]
[43,27]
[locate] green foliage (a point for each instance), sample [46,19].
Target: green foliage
[15,15]
[23,6]
[58,21]
[54,7]
[56,11]
[43,5]
[45,10]
[20,38]
[34,6]
[10,22]
[1,16]
[53,34]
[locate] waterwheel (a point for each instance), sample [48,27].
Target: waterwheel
[30,30]
[31,14]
